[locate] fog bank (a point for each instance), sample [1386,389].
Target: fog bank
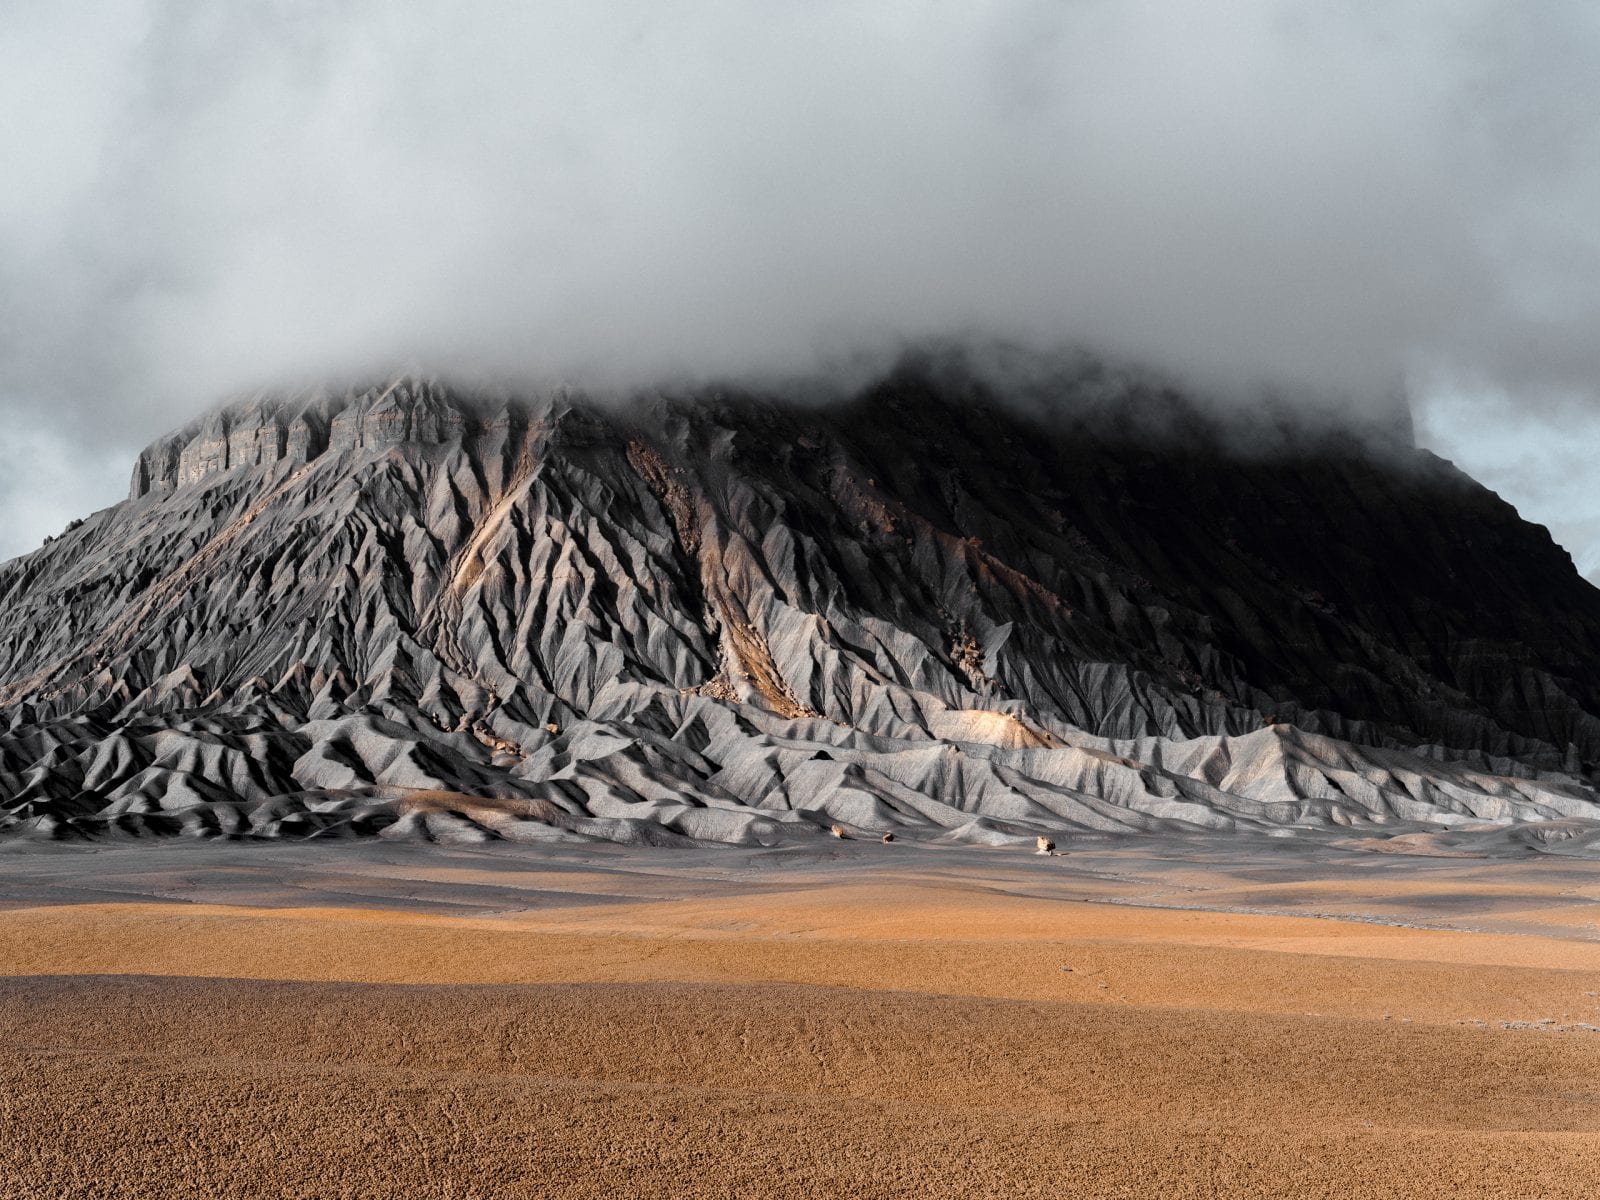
[1344,201]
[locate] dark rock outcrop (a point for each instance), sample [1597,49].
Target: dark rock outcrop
[403,611]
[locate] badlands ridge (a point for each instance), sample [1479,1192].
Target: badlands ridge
[411,612]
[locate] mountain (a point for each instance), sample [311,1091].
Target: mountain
[929,609]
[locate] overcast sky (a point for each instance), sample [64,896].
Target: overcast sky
[1347,200]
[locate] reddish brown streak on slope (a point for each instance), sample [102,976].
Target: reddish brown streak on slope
[688,513]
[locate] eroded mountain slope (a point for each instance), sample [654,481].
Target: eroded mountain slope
[403,611]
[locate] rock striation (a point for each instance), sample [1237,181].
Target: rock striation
[410,611]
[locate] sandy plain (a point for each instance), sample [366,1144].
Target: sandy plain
[1197,1017]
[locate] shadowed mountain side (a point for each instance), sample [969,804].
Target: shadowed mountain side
[404,611]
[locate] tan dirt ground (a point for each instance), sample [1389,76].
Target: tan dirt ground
[909,1033]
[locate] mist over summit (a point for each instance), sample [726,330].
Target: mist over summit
[1352,203]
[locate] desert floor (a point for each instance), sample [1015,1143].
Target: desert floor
[1141,1017]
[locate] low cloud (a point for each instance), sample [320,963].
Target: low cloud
[1345,200]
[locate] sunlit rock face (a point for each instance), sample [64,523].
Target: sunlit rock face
[406,611]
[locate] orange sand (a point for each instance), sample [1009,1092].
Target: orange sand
[875,1036]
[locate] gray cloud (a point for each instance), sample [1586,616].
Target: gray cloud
[1343,198]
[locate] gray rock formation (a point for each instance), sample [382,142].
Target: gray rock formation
[405,612]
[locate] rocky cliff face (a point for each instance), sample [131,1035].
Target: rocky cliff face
[402,611]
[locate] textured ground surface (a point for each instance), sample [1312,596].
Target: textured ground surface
[354,1020]
[406,612]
